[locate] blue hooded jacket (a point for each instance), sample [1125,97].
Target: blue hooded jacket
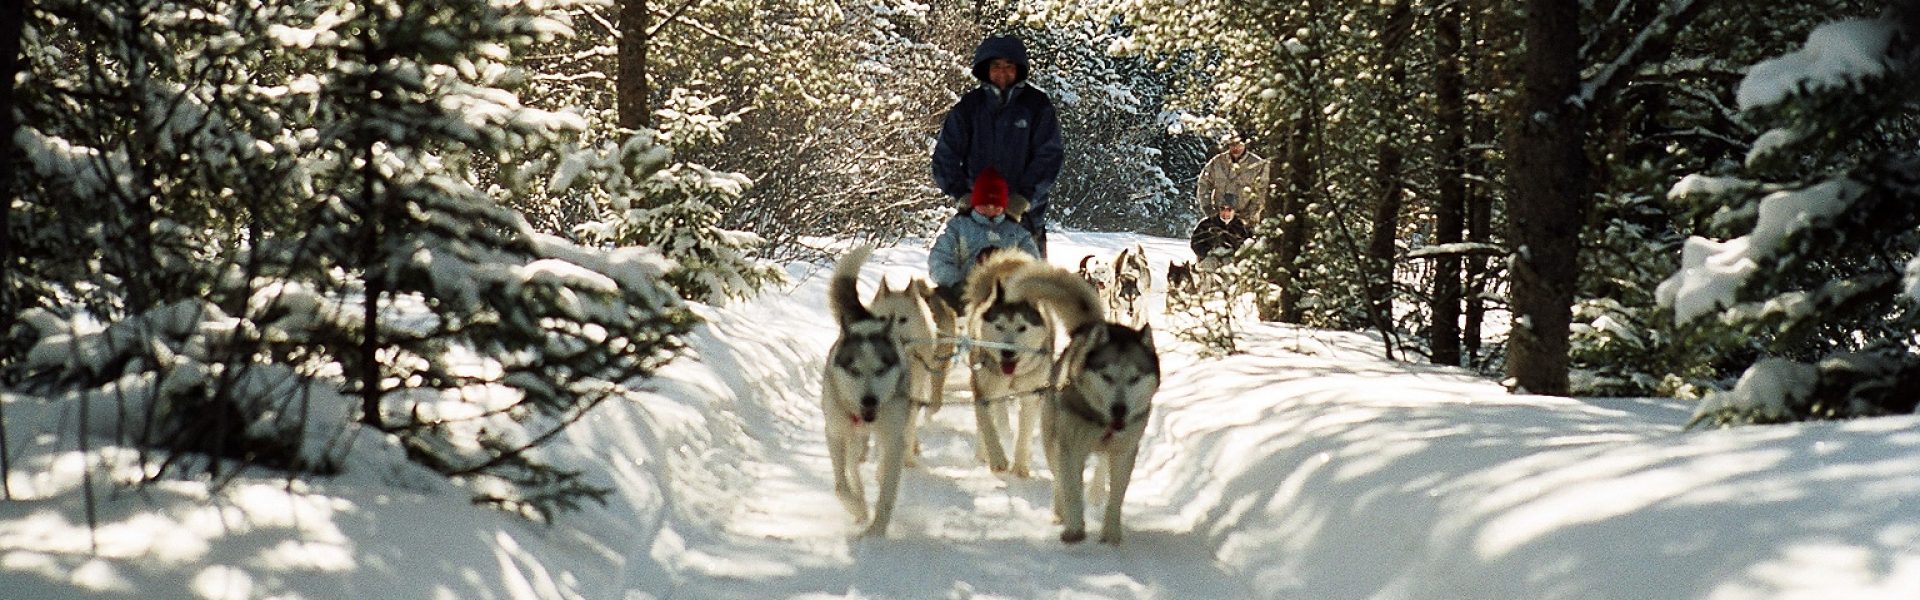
[1015,131]
[959,245]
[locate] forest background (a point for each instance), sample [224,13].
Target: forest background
[218,208]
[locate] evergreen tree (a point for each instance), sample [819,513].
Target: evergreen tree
[359,246]
[848,157]
[1677,117]
[154,158]
[680,216]
[1124,144]
[1819,261]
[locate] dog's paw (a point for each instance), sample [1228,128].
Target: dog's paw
[1110,538]
[1073,537]
[1022,472]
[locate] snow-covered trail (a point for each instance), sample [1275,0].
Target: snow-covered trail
[959,531]
[1305,466]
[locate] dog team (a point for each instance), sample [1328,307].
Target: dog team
[1087,399]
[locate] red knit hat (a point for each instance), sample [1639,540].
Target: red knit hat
[989,189]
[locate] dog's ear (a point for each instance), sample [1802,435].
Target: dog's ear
[918,287]
[1146,337]
[884,288]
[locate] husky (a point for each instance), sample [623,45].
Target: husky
[1100,393]
[864,393]
[1010,366]
[1179,276]
[1096,273]
[1131,276]
[923,327]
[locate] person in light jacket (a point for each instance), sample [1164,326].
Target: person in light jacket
[1005,124]
[1236,177]
[970,237]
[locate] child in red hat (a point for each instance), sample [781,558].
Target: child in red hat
[985,227]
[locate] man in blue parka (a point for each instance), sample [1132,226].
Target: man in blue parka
[1005,124]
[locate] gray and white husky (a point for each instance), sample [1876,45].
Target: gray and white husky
[923,327]
[1102,389]
[1011,364]
[864,393]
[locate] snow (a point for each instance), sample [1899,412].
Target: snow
[1835,54]
[1711,271]
[1767,387]
[1911,279]
[1707,185]
[1305,467]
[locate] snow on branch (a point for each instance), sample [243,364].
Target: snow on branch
[1835,54]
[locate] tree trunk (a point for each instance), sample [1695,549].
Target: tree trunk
[372,270]
[12,20]
[1479,231]
[1380,247]
[1548,168]
[1386,210]
[630,87]
[1449,139]
[1293,232]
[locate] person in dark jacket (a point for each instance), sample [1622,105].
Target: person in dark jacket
[1006,124]
[1218,234]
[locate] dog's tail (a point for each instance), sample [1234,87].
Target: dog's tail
[843,294]
[998,269]
[1072,299]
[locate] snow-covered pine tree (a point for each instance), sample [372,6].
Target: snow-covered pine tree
[646,199]
[153,158]
[458,321]
[1819,264]
[844,160]
[1124,140]
[470,338]
[133,131]
[1676,117]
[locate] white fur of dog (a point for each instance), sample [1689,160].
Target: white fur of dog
[1013,370]
[923,326]
[1102,389]
[864,393]
[1096,272]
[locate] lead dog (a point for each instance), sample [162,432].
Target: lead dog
[864,393]
[923,328]
[1101,392]
[1010,365]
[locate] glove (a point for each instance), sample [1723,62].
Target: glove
[964,202]
[1017,206]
